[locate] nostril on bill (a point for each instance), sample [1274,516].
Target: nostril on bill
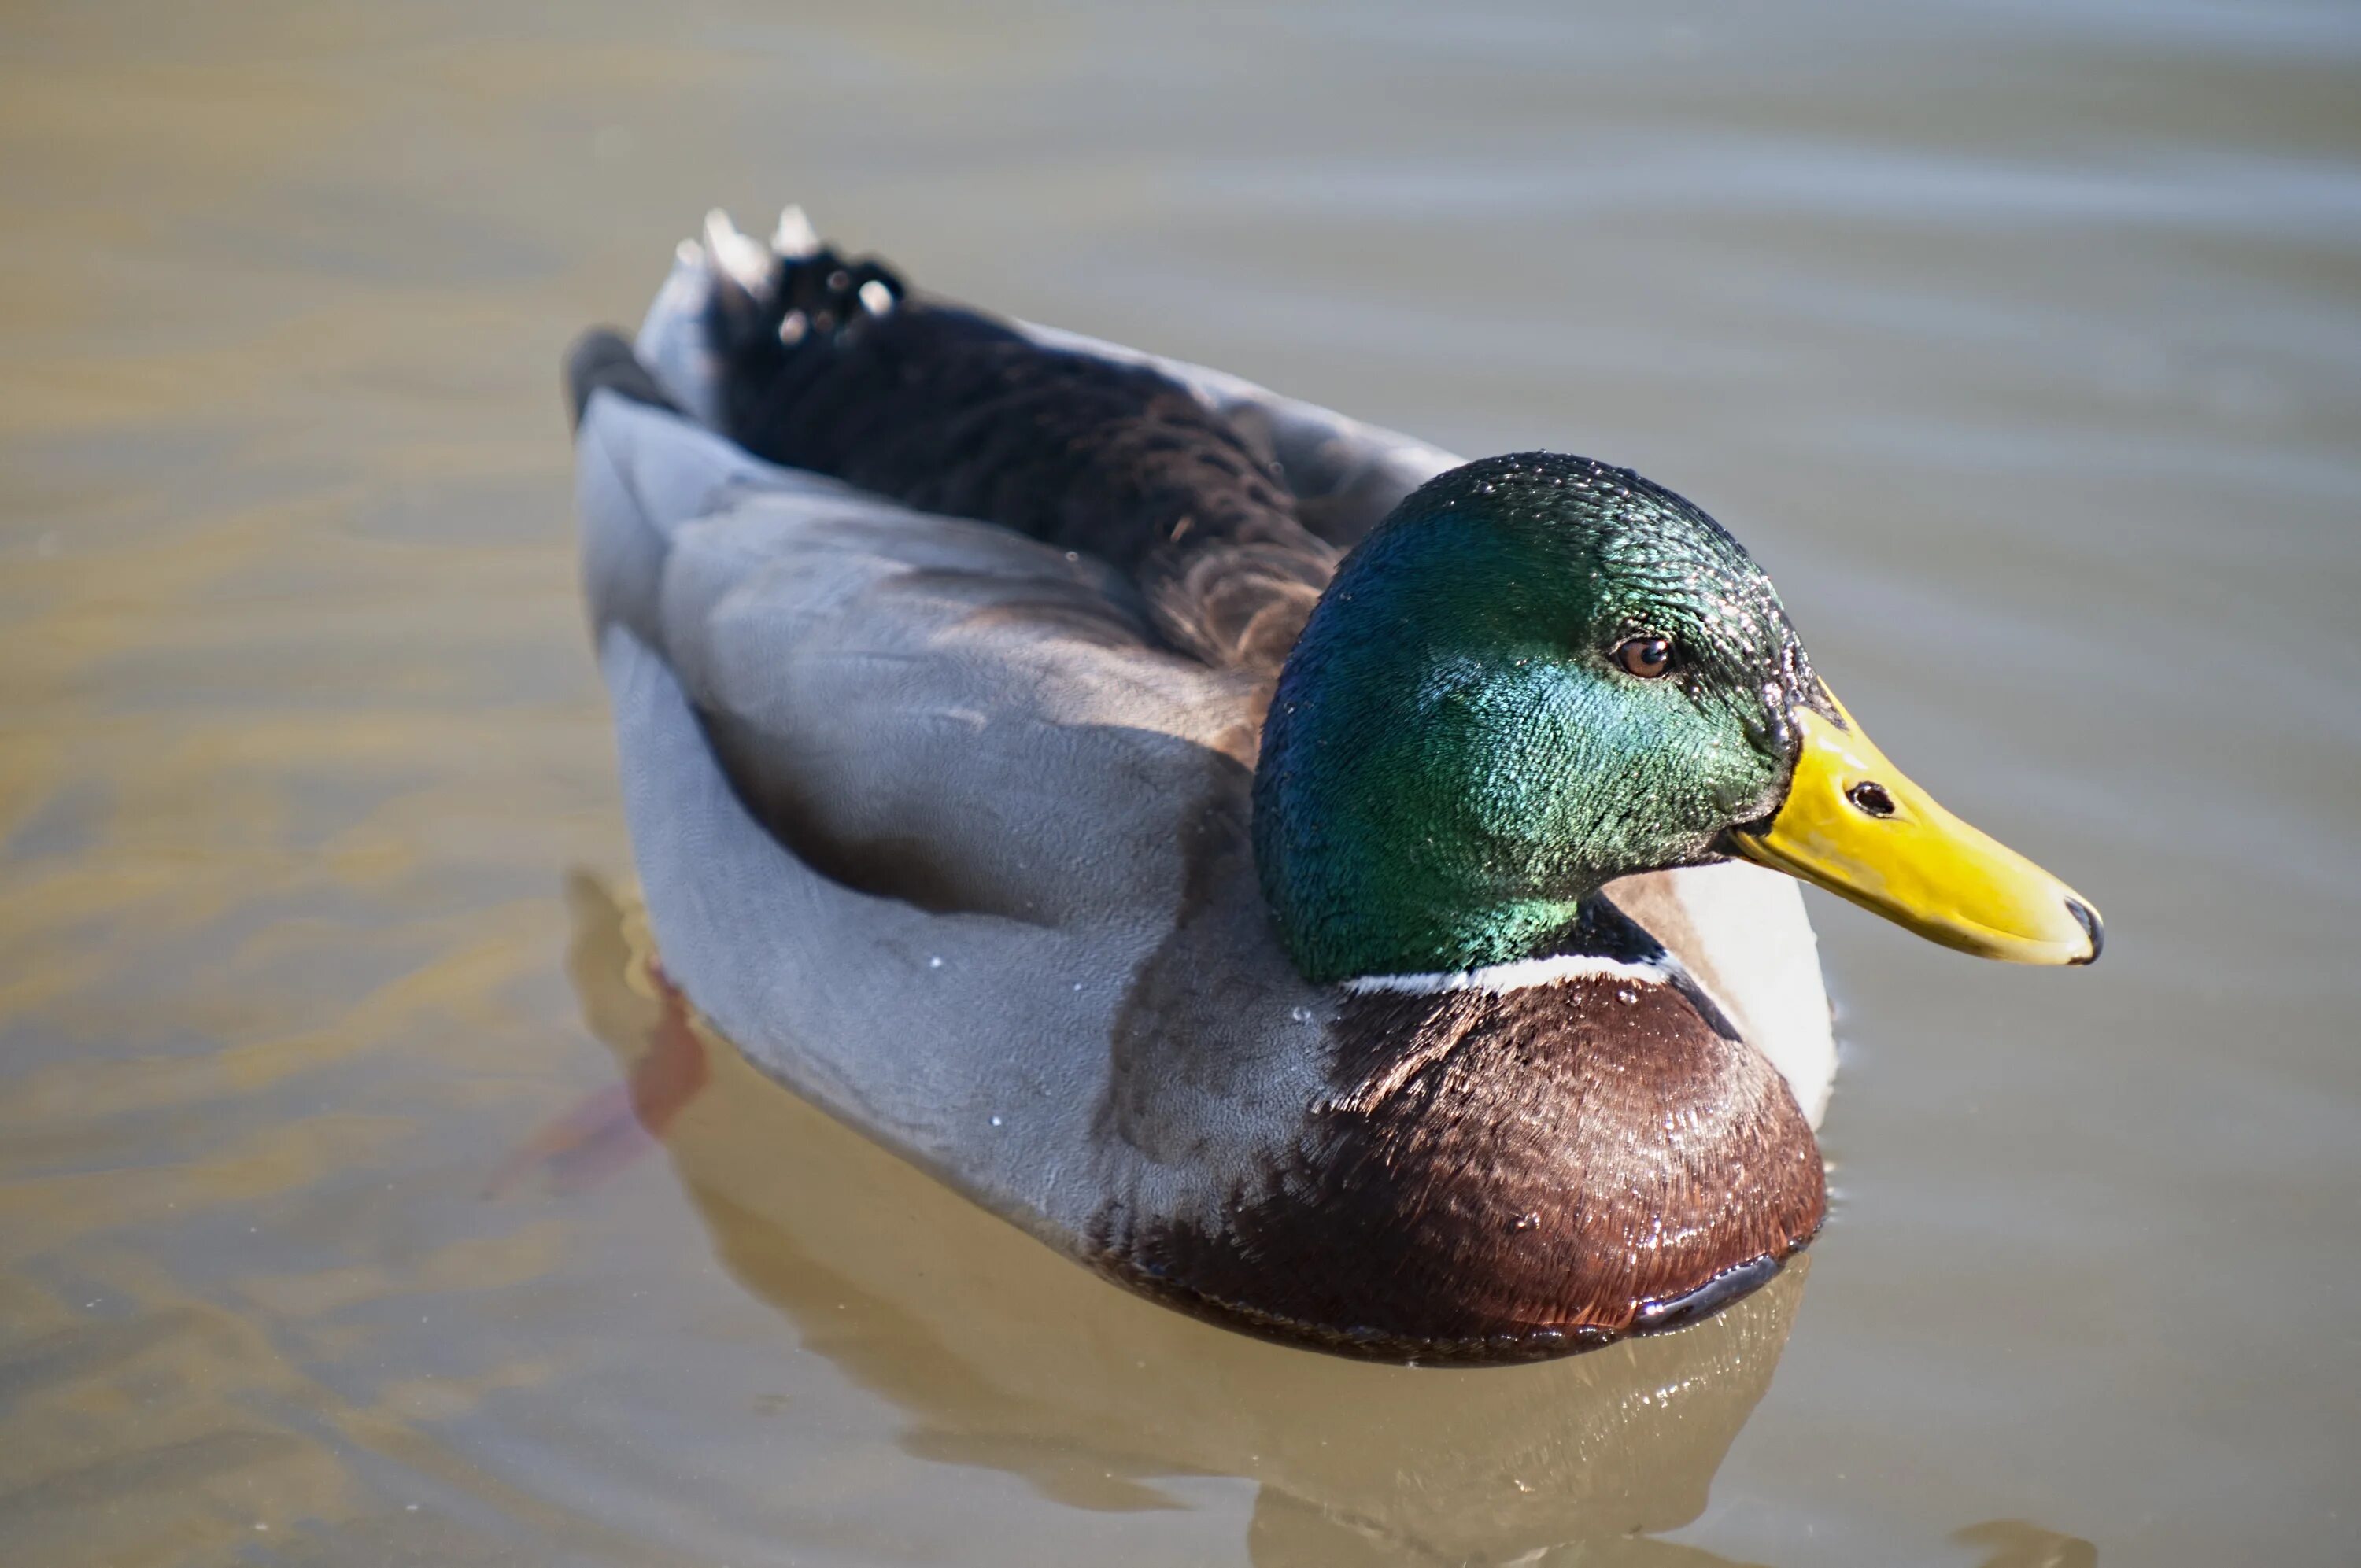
[2089,919]
[1869,798]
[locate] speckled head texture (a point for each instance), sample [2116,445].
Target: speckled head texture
[1455,757]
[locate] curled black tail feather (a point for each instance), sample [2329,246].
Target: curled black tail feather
[836,366]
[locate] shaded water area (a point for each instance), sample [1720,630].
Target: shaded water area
[2021,343]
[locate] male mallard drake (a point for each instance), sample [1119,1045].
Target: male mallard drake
[1180,819]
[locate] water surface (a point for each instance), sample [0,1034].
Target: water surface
[2021,343]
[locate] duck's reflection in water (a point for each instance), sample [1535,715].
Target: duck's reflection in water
[1006,1356]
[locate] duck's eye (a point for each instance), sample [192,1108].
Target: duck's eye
[1646,657]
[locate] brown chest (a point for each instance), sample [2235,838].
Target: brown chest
[1507,1176]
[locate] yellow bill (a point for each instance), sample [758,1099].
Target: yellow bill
[1854,823]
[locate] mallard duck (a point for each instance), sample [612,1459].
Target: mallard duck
[1315,883]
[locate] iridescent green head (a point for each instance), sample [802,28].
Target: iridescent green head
[1540,674]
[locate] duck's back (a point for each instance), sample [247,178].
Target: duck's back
[830,364]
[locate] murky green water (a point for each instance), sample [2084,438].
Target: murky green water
[2023,343]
